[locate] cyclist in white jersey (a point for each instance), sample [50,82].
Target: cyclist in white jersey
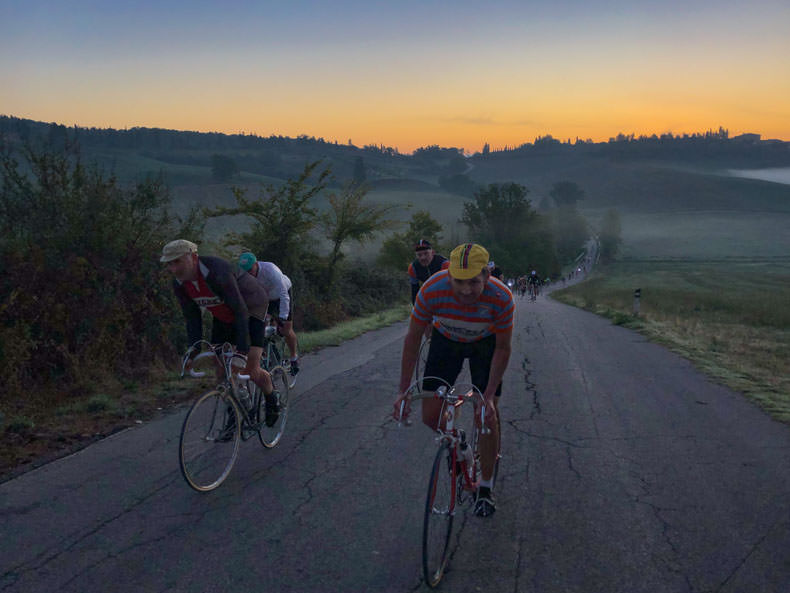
[278,286]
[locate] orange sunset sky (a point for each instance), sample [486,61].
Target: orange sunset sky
[402,74]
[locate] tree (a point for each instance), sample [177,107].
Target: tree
[350,219]
[398,250]
[458,184]
[223,168]
[359,171]
[609,235]
[498,211]
[566,193]
[282,217]
[517,237]
[82,291]
[571,231]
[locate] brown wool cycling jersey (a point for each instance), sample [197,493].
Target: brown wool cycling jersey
[226,297]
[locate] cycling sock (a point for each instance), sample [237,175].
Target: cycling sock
[487,483]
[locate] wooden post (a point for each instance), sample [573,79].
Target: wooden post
[637,296]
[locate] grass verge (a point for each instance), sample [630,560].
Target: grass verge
[45,427]
[729,319]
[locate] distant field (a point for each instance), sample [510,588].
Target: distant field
[640,186]
[706,235]
[715,288]
[777,174]
[731,320]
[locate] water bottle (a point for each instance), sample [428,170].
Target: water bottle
[269,331]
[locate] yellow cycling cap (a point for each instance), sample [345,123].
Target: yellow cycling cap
[467,261]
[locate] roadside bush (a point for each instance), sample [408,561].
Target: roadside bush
[359,290]
[82,295]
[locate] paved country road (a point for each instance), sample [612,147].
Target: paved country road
[624,470]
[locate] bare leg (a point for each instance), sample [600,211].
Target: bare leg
[259,376]
[489,445]
[287,331]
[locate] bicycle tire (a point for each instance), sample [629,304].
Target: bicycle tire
[270,435]
[209,442]
[439,514]
[422,358]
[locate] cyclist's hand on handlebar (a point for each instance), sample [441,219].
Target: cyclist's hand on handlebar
[491,415]
[186,362]
[401,407]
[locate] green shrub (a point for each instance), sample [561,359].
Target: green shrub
[82,295]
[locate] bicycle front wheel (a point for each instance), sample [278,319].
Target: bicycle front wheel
[210,438]
[439,512]
[271,435]
[422,358]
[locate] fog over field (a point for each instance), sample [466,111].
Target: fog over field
[777,175]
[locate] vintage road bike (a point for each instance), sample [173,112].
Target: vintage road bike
[455,473]
[220,419]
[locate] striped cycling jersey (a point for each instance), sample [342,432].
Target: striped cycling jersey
[491,314]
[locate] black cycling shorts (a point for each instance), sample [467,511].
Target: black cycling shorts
[446,357]
[222,332]
[274,307]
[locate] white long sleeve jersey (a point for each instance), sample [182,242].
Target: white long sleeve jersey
[276,284]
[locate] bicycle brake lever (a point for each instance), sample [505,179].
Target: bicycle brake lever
[403,421]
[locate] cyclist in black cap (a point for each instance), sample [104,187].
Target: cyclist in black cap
[426,263]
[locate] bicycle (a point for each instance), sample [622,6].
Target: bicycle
[455,474]
[422,358]
[274,349]
[221,418]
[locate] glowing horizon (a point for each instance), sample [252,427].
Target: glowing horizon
[404,77]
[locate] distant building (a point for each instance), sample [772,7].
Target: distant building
[747,138]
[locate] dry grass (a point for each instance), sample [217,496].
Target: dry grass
[736,331]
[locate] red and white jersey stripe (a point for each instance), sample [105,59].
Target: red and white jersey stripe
[491,314]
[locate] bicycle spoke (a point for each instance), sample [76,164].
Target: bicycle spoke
[209,441]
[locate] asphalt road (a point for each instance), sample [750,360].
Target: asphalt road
[624,470]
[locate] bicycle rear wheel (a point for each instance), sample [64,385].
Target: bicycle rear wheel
[210,438]
[271,435]
[439,512]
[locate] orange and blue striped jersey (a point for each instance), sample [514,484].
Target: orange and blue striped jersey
[491,314]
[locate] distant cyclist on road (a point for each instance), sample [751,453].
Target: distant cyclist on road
[534,283]
[521,284]
[495,270]
[238,306]
[472,317]
[278,287]
[426,263]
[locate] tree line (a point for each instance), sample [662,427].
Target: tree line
[710,145]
